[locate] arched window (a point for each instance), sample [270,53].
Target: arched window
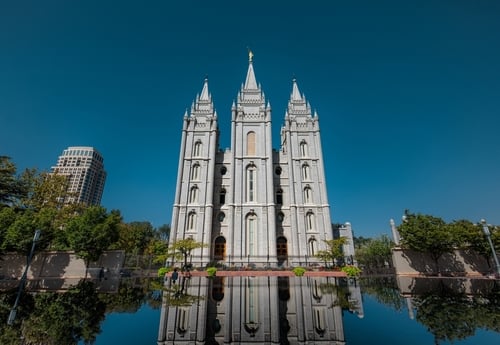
[195,172]
[252,307]
[279,196]
[222,196]
[197,148]
[305,172]
[281,248]
[303,149]
[251,183]
[219,248]
[307,195]
[309,221]
[193,195]
[182,320]
[251,227]
[312,247]
[218,289]
[251,144]
[191,221]
[319,319]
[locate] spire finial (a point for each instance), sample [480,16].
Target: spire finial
[250,55]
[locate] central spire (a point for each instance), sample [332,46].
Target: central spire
[250,82]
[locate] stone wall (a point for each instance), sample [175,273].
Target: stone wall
[456,263]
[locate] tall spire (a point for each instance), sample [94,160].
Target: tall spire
[295,92]
[250,82]
[203,104]
[205,96]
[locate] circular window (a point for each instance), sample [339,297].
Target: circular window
[281,216]
[221,216]
[223,170]
[277,171]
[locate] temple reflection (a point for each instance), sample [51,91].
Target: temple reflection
[285,310]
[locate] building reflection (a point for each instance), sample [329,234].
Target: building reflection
[285,310]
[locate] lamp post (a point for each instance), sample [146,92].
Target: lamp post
[486,231]
[13,311]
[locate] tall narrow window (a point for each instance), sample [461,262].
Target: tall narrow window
[251,234]
[193,195]
[251,183]
[251,144]
[305,172]
[251,307]
[197,149]
[222,196]
[220,248]
[307,195]
[279,196]
[195,172]
[312,247]
[309,221]
[182,320]
[303,148]
[319,319]
[191,221]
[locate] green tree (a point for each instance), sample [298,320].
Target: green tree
[375,253]
[333,251]
[66,318]
[163,232]
[12,188]
[134,237]
[181,249]
[427,234]
[92,232]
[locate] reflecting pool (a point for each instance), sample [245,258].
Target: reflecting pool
[260,310]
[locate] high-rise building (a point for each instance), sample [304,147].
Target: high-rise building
[84,167]
[251,203]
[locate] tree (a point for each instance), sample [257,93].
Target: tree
[134,237]
[93,232]
[12,188]
[427,234]
[181,249]
[163,232]
[375,253]
[333,251]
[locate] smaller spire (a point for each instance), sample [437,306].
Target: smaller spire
[295,91]
[205,96]
[250,82]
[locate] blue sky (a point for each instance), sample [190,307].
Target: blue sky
[407,93]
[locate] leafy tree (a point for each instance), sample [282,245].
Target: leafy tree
[66,318]
[375,253]
[134,237]
[427,234]
[333,251]
[92,232]
[158,249]
[19,235]
[12,188]
[181,249]
[163,232]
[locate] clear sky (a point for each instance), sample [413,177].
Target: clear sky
[407,93]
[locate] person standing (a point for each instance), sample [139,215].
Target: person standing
[175,275]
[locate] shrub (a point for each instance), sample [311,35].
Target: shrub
[299,271]
[351,271]
[163,270]
[211,271]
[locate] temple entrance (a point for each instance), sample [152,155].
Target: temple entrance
[281,250]
[220,248]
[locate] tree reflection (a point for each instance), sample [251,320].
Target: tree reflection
[452,315]
[74,316]
[176,296]
[385,290]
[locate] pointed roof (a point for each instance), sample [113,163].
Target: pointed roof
[205,96]
[295,92]
[251,82]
